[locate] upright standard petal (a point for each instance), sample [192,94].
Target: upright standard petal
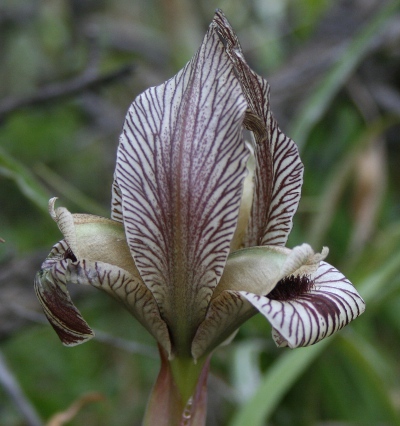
[116,202]
[278,170]
[180,168]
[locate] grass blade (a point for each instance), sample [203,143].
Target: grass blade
[24,179]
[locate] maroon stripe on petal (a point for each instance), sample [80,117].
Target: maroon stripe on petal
[278,171]
[328,306]
[180,168]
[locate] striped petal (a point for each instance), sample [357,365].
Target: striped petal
[51,289]
[278,170]
[226,313]
[256,271]
[116,203]
[94,252]
[181,163]
[59,309]
[330,304]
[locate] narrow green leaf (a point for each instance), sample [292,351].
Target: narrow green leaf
[278,380]
[70,192]
[35,191]
[365,362]
[372,284]
[317,104]
[24,179]
[340,176]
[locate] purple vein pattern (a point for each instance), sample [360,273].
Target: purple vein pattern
[180,167]
[279,171]
[331,304]
[51,289]
[116,202]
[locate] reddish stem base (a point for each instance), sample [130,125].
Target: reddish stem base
[179,396]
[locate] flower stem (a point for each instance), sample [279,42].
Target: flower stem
[179,396]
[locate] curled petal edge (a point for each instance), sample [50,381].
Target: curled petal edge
[51,289]
[60,311]
[94,238]
[330,305]
[258,269]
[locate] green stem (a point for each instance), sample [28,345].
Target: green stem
[179,396]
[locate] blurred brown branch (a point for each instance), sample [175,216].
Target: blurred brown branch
[298,77]
[89,79]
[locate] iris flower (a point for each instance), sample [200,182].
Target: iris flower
[196,241]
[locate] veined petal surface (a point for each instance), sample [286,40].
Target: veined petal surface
[59,309]
[116,203]
[331,303]
[256,271]
[180,167]
[278,170]
[226,313]
[58,252]
[59,270]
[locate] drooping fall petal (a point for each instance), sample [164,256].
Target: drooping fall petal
[180,168]
[330,304]
[278,170]
[59,309]
[51,290]
[304,298]
[256,270]
[94,252]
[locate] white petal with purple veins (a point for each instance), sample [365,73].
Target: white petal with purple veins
[225,314]
[180,168]
[51,290]
[116,203]
[279,171]
[331,304]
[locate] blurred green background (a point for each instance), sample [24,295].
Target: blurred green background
[69,71]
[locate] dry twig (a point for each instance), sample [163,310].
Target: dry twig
[60,419]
